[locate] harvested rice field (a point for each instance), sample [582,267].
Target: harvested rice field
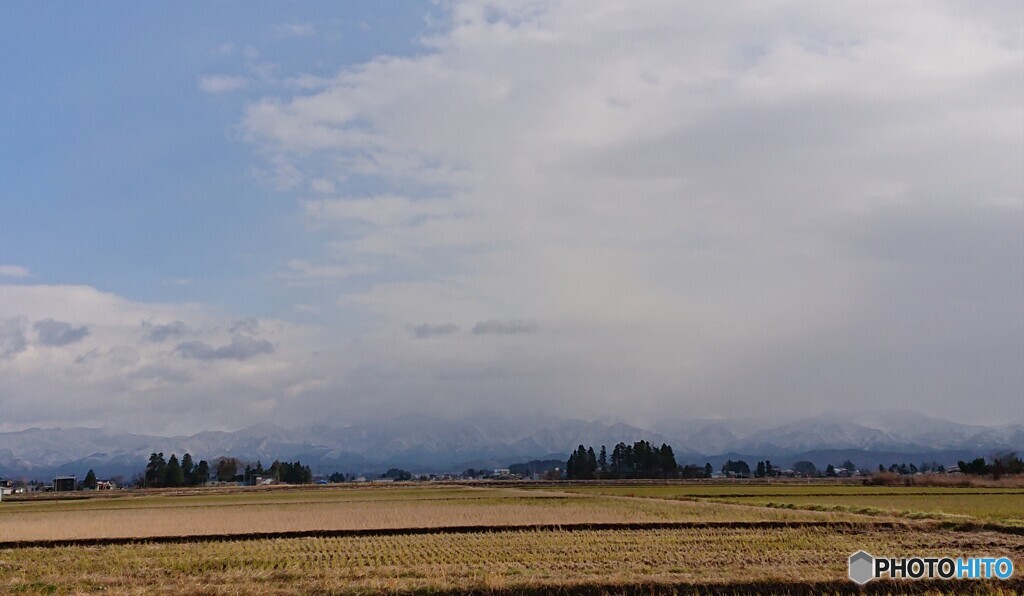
[466,539]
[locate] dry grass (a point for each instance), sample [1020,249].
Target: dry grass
[355,509]
[501,560]
[944,480]
[992,505]
[764,560]
[1001,509]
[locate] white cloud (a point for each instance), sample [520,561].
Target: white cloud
[686,209]
[295,29]
[302,271]
[224,49]
[322,186]
[385,210]
[216,84]
[13,271]
[675,192]
[140,365]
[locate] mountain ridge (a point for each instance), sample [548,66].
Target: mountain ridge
[433,444]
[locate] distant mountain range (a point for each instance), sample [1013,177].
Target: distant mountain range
[428,444]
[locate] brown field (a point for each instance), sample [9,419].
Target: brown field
[348,509]
[495,539]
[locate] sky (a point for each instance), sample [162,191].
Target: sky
[320,212]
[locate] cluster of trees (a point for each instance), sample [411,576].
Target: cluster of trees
[639,460]
[807,469]
[397,474]
[1008,463]
[741,468]
[286,472]
[905,469]
[692,471]
[171,472]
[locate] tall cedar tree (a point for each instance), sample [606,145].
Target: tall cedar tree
[186,468]
[201,473]
[155,470]
[173,475]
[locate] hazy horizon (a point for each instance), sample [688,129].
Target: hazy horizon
[318,213]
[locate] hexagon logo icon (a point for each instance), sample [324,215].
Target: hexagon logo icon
[861,567]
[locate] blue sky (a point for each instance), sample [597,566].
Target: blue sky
[122,173]
[240,212]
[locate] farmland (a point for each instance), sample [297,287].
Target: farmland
[1001,506]
[462,537]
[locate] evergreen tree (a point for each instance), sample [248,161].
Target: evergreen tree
[759,472]
[227,469]
[187,467]
[977,466]
[155,470]
[173,475]
[708,470]
[90,481]
[294,474]
[602,462]
[667,461]
[739,467]
[805,468]
[591,470]
[201,473]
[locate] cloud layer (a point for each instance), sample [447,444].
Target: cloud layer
[584,208]
[802,208]
[152,367]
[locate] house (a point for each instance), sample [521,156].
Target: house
[105,485]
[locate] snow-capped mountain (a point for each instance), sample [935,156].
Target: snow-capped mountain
[436,444]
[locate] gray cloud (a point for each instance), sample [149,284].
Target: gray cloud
[678,190]
[510,327]
[248,326]
[12,337]
[58,333]
[714,212]
[160,372]
[240,348]
[427,330]
[159,333]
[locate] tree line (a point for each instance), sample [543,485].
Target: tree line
[173,473]
[905,469]
[1008,463]
[170,473]
[639,460]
